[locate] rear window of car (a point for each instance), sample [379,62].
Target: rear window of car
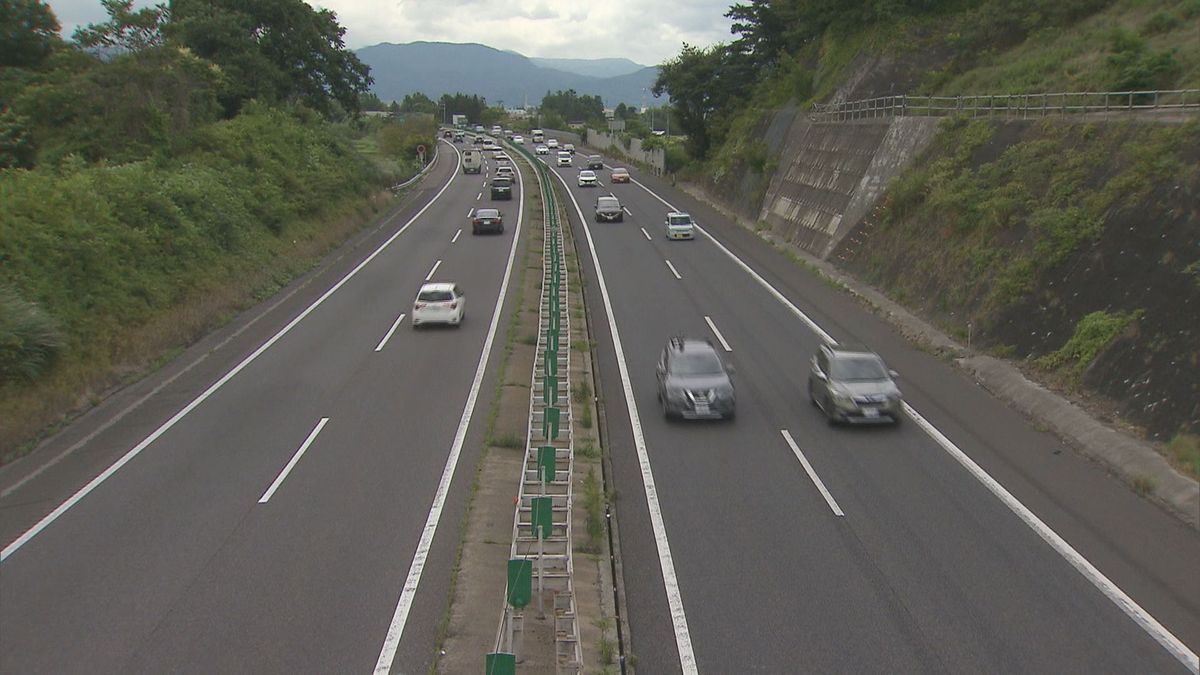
[857,368]
[696,363]
[500,181]
[619,172]
[435,296]
[487,213]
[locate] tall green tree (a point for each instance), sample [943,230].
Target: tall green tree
[418,102]
[126,30]
[28,33]
[274,50]
[573,107]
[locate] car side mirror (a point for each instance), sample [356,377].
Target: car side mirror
[820,376]
[731,368]
[894,374]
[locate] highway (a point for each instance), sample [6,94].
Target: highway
[285,495]
[775,543]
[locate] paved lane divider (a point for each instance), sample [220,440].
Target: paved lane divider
[540,561]
[708,320]
[648,237]
[1110,590]
[391,641]
[787,436]
[74,499]
[673,270]
[683,638]
[457,235]
[395,324]
[312,436]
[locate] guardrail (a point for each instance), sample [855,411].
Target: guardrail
[540,556]
[1010,105]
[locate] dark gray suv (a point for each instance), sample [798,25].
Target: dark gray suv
[693,382]
[850,383]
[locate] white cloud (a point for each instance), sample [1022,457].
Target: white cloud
[646,31]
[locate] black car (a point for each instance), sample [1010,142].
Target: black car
[595,162]
[693,382]
[487,220]
[501,188]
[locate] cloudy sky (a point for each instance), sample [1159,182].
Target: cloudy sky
[645,31]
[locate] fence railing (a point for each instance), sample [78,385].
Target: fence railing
[1009,105]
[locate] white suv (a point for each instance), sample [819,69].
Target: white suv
[564,159]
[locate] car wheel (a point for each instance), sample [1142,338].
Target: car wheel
[812,398]
[830,417]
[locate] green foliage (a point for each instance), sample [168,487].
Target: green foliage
[16,143]
[1092,334]
[461,104]
[399,139]
[1132,65]
[1160,22]
[103,248]
[418,102]
[30,33]
[572,107]
[593,504]
[125,30]
[1185,450]
[30,339]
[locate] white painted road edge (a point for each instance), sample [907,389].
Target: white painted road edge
[137,449]
[391,641]
[1110,590]
[396,324]
[1101,582]
[712,326]
[683,638]
[312,436]
[787,436]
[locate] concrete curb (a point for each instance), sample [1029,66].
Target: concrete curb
[1131,459]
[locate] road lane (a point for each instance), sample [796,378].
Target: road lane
[173,565]
[915,504]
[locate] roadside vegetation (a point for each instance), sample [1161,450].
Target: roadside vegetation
[160,171]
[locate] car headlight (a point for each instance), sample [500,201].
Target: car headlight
[840,396]
[676,395]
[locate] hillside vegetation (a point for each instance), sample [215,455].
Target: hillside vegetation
[1070,245]
[148,194]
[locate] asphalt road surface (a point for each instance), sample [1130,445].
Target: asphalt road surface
[274,524]
[901,559]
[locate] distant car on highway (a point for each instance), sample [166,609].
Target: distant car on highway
[472,161]
[518,139]
[680,226]
[439,303]
[609,208]
[569,147]
[505,170]
[564,159]
[447,134]
[619,175]
[499,155]
[542,150]
[501,188]
[595,162]
[693,382]
[588,179]
[487,220]
[850,383]
[459,137]
[552,143]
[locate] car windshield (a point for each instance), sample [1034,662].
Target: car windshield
[857,369]
[680,220]
[702,363]
[435,296]
[619,172]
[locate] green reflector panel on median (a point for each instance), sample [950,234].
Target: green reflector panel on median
[520,582]
[550,390]
[542,515]
[550,423]
[499,663]
[547,458]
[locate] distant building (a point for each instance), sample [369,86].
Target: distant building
[517,113]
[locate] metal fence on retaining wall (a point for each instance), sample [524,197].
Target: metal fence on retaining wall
[1009,105]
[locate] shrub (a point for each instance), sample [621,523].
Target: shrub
[1092,334]
[30,338]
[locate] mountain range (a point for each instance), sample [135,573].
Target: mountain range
[436,68]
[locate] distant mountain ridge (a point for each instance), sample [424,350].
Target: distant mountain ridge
[436,68]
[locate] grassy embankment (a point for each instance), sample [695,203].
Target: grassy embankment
[109,269]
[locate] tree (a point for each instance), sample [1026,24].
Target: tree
[418,102]
[30,33]
[16,145]
[125,30]
[276,50]
[461,104]
[572,107]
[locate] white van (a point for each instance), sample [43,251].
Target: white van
[538,136]
[472,161]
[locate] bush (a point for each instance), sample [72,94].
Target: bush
[1092,334]
[30,339]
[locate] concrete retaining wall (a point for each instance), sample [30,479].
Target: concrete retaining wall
[830,175]
[654,158]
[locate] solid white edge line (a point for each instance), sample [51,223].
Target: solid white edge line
[312,436]
[673,270]
[716,332]
[435,266]
[379,347]
[1110,590]
[648,237]
[837,510]
[683,639]
[456,234]
[755,275]
[391,641]
[137,449]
